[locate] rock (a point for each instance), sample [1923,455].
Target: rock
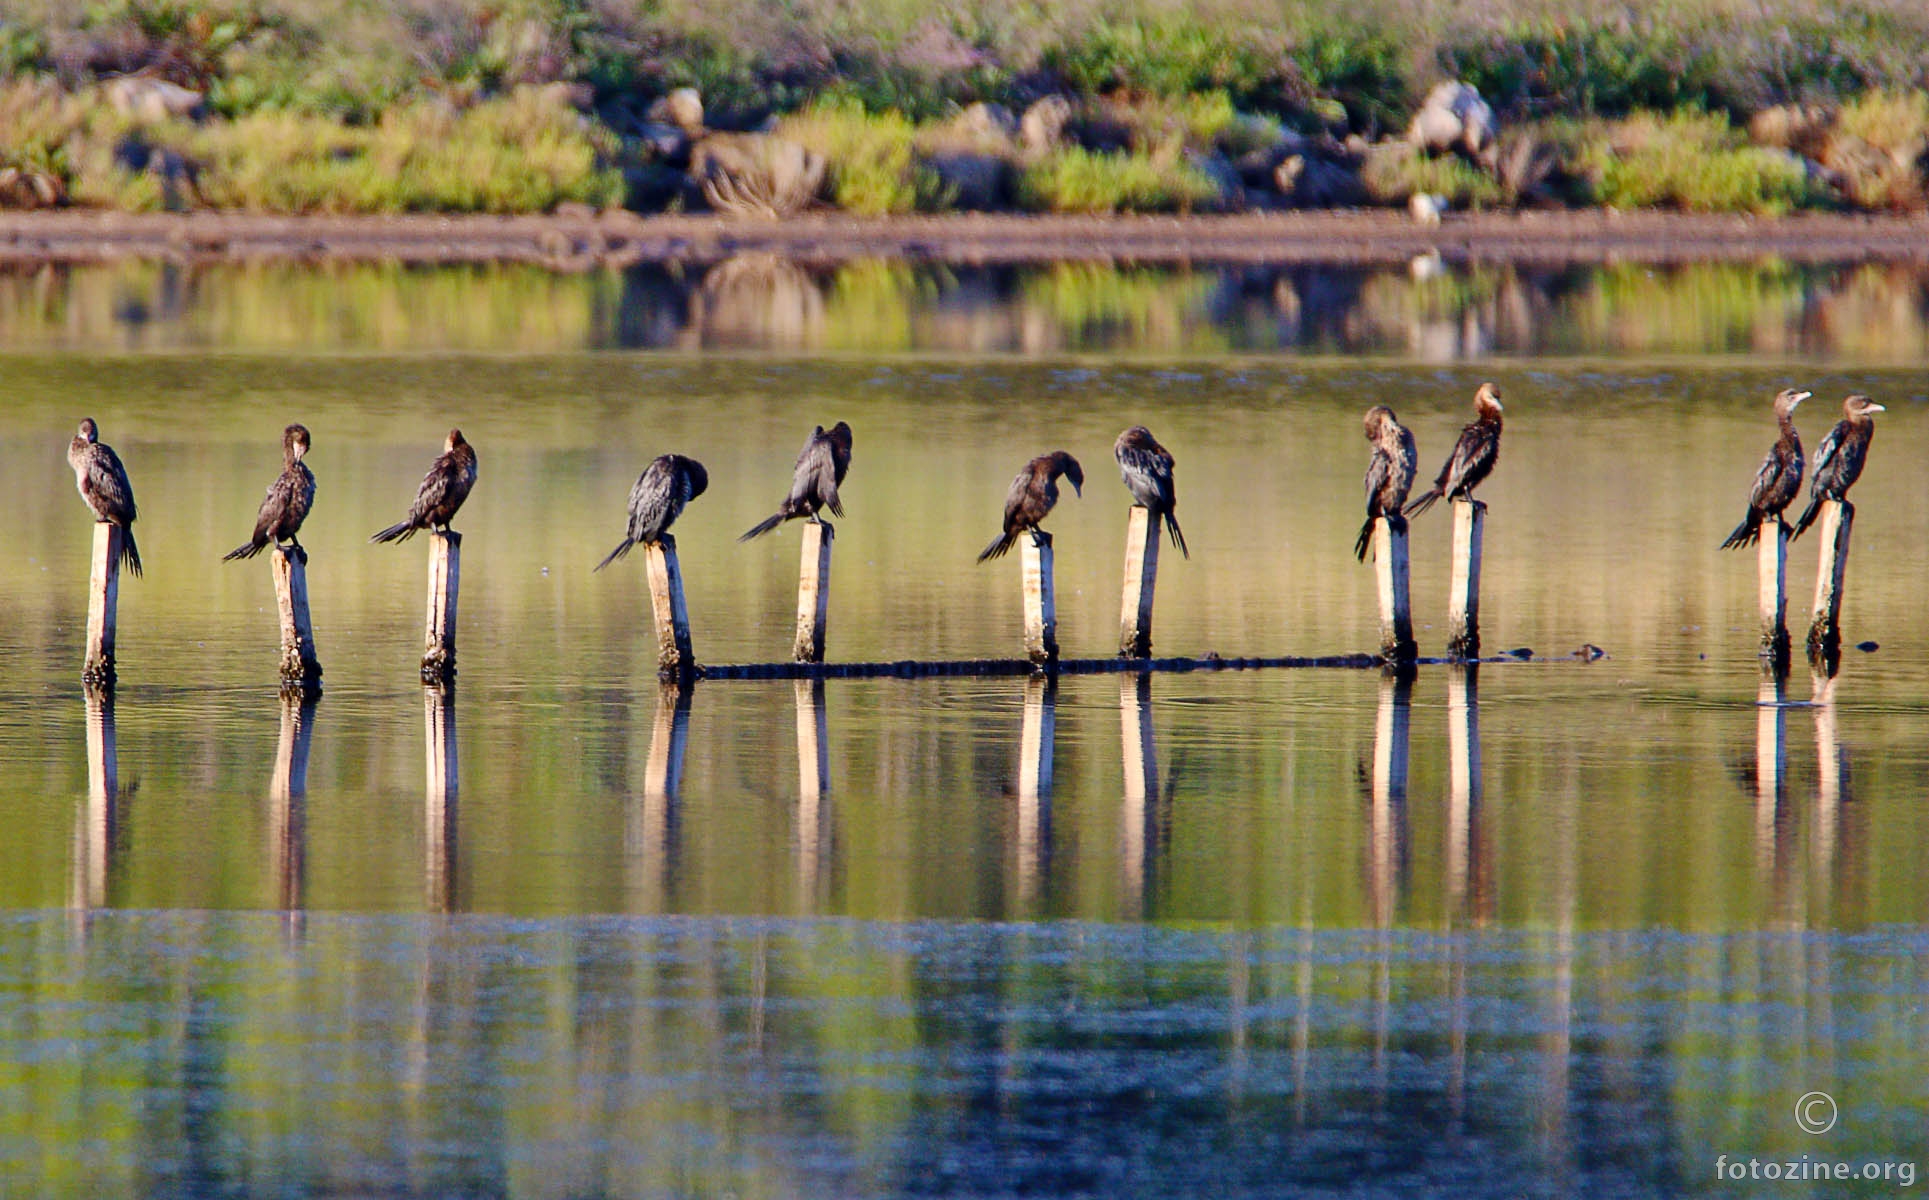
[1312,182]
[1225,178]
[974,181]
[149,99]
[30,187]
[1426,208]
[1256,167]
[991,122]
[682,108]
[756,174]
[1043,125]
[665,143]
[1453,117]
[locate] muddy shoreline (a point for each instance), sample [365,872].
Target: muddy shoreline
[582,241]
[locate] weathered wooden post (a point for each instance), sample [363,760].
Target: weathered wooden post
[1139,757]
[1387,829]
[1772,567]
[813,591]
[1463,617]
[674,657]
[1825,627]
[103,599]
[1463,778]
[1390,569]
[98,818]
[1041,604]
[287,799]
[441,796]
[813,785]
[300,669]
[1141,575]
[1035,750]
[445,580]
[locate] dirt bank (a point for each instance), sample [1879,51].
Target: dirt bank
[579,241]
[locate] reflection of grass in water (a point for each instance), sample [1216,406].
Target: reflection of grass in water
[873,304]
[1703,307]
[1157,309]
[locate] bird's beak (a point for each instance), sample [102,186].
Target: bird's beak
[1077,490]
[1801,396]
[1877,408]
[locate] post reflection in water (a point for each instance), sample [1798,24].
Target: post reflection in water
[1137,817]
[1771,773]
[287,803]
[440,801]
[1466,897]
[813,792]
[652,828]
[1387,820]
[97,820]
[1034,825]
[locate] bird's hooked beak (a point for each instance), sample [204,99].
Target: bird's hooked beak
[1801,396]
[1077,490]
[1875,408]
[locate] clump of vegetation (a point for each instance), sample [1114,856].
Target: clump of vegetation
[1394,172]
[1692,161]
[873,167]
[1076,180]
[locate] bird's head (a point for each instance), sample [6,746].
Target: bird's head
[1788,398]
[1377,419]
[1860,407]
[453,440]
[88,432]
[294,440]
[1487,399]
[841,435]
[1064,464]
[698,477]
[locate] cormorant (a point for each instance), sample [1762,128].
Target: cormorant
[1838,460]
[1146,468]
[1389,475]
[821,465]
[1473,455]
[443,490]
[1032,495]
[286,505]
[103,485]
[1780,477]
[657,500]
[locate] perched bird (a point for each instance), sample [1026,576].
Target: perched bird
[821,465]
[1032,495]
[1389,475]
[286,505]
[443,490]
[1780,477]
[103,484]
[1146,468]
[657,500]
[1839,459]
[1473,455]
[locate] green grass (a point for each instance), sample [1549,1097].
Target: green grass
[1694,162]
[1074,180]
[874,170]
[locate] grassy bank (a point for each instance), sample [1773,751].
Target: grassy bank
[521,105]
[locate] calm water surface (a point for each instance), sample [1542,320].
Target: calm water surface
[1544,928]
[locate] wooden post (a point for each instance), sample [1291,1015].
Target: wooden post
[813,784]
[103,599]
[1141,576]
[441,795]
[287,799]
[1139,757]
[1772,565]
[1396,613]
[98,819]
[300,669]
[1041,604]
[1825,627]
[445,582]
[674,657]
[1463,619]
[1463,778]
[1036,735]
[813,591]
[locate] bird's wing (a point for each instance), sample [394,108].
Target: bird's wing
[1015,498]
[1766,478]
[1377,473]
[1825,453]
[108,480]
[435,485]
[650,498]
[816,472]
[1153,467]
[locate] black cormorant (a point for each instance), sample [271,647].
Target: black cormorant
[443,490]
[103,485]
[1032,495]
[1780,477]
[820,469]
[657,499]
[1146,468]
[286,505]
[1473,455]
[1839,459]
[1389,475]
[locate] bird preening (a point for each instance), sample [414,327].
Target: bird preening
[286,505]
[103,485]
[1146,468]
[442,492]
[1840,457]
[1389,473]
[1779,478]
[1033,494]
[819,472]
[657,499]
[1473,457]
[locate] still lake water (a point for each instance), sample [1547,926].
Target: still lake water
[1561,927]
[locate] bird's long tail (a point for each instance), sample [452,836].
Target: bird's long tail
[130,553]
[764,526]
[245,550]
[1745,533]
[999,545]
[397,532]
[1178,539]
[622,548]
[1808,517]
[1365,539]
[1421,503]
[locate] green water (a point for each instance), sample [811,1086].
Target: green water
[1561,926]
